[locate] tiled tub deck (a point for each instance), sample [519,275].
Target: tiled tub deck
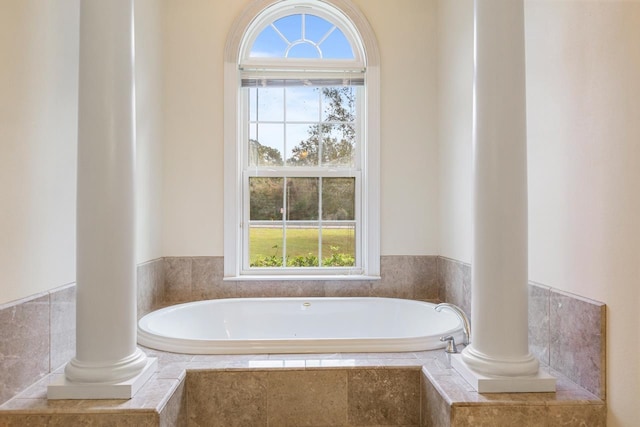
[364,389]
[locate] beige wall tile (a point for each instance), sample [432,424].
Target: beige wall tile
[404,276]
[454,280]
[177,279]
[24,344]
[499,416]
[63,326]
[174,413]
[150,285]
[307,398]
[384,396]
[579,415]
[434,410]
[207,274]
[577,340]
[227,398]
[539,297]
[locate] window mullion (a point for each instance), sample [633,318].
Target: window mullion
[320,181]
[285,216]
[320,128]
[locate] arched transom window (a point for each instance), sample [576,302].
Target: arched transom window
[300,147]
[301,35]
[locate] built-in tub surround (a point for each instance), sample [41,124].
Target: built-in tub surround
[25,360]
[298,325]
[407,389]
[566,332]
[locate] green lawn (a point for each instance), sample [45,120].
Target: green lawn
[300,241]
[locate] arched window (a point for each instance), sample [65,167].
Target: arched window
[301,143]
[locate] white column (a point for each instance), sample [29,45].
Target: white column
[499,345]
[108,363]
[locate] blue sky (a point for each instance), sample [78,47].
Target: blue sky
[271,44]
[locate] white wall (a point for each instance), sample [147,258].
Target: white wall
[455,114]
[38,129]
[406,33]
[195,35]
[584,170]
[583,63]
[38,142]
[194,39]
[149,116]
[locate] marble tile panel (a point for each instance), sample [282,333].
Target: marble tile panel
[20,411]
[304,356]
[63,326]
[145,293]
[434,409]
[409,277]
[104,420]
[277,289]
[384,396]
[426,285]
[577,340]
[174,413]
[165,357]
[24,344]
[207,279]
[539,297]
[227,399]
[150,285]
[158,280]
[307,398]
[37,390]
[347,288]
[172,370]
[24,420]
[436,365]
[384,356]
[577,416]
[499,416]
[177,279]
[453,388]
[454,279]
[155,394]
[151,398]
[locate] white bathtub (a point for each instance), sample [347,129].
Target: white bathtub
[297,325]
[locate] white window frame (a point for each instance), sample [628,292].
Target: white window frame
[358,31]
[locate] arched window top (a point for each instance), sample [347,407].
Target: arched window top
[301,36]
[300,32]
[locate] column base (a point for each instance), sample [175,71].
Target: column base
[541,382]
[65,389]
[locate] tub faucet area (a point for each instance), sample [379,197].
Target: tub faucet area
[466,326]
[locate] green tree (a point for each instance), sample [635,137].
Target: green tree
[266,198]
[263,155]
[335,136]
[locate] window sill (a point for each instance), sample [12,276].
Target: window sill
[284,277]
